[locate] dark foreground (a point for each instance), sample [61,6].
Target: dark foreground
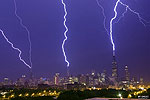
[74,95]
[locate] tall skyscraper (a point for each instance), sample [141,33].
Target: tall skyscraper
[56,79]
[141,81]
[82,79]
[114,69]
[103,76]
[127,75]
[31,74]
[68,72]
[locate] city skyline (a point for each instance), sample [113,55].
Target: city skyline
[93,80]
[88,46]
[115,76]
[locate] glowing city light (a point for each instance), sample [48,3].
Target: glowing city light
[119,95]
[65,33]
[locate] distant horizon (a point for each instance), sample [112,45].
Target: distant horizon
[51,76]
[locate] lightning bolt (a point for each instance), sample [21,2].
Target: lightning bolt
[111,27]
[123,14]
[15,49]
[28,32]
[142,20]
[103,12]
[65,33]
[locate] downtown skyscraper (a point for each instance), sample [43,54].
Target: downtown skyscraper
[114,69]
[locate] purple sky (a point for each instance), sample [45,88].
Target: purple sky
[88,46]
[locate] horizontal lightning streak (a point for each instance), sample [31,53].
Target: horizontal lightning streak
[15,49]
[65,33]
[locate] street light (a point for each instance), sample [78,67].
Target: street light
[120,95]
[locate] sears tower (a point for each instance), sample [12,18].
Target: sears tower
[114,68]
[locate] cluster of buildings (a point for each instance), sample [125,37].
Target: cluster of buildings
[83,81]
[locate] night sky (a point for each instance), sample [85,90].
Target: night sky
[88,46]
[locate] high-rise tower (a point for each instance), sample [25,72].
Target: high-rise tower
[114,69]
[127,76]
[68,72]
[56,79]
[31,74]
